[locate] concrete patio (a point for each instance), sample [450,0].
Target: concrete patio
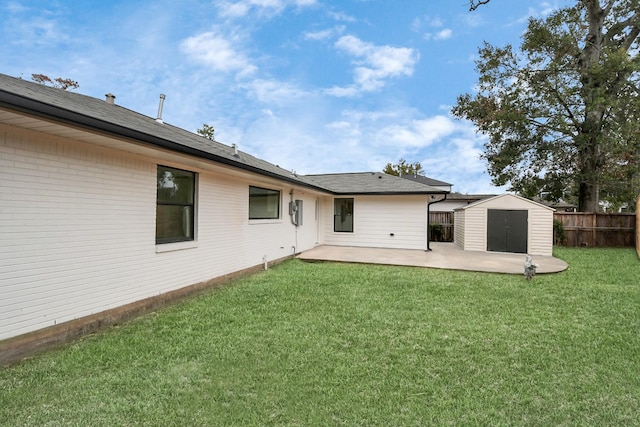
[442,255]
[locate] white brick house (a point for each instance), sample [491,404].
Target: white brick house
[101,208]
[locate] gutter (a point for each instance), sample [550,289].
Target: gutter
[387,193]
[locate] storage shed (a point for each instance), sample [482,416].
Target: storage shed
[505,223]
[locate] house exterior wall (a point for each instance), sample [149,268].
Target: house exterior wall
[77,230]
[471,224]
[376,218]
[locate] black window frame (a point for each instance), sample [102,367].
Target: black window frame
[340,215]
[265,192]
[187,234]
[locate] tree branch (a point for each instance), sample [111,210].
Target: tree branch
[474,4]
[616,29]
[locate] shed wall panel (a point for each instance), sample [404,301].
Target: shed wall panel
[459,227]
[540,231]
[475,230]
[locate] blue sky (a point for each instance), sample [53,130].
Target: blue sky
[314,86]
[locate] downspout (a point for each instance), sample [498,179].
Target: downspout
[429,217]
[292,210]
[292,213]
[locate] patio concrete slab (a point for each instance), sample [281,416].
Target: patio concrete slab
[442,255]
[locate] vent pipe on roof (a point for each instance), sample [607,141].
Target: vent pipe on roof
[235,150]
[110,98]
[159,118]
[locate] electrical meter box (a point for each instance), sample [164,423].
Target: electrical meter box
[295,210]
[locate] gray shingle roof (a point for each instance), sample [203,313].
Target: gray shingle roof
[370,183]
[426,180]
[97,115]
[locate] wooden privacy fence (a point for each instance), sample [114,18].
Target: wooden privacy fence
[596,229]
[441,226]
[580,229]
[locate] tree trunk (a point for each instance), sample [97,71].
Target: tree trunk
[588,200]
[592,91]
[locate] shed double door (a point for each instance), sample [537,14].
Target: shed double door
[507,230]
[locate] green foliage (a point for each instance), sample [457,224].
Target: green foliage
[436,232]
[207,131]
[403,168]
[559,236]
[315,344]
[562,112]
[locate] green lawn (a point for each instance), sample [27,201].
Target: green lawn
[338,344]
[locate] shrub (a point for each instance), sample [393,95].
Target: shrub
[559,236]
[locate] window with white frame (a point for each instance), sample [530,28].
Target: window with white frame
[175,205]
[343,215]
[264,203]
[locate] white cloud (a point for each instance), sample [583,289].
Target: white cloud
[443,35]
[342,92]
[359,140]
[324,34]
[14,7]
[420,22]
[238,9]
[274,92]
[33,28]
[339,16]
[218,52]
[544,9]
[427,23]
[374,64]
[417,133]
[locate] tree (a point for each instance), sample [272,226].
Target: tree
[207,131]
[403,168]
[58,82]
[562,114]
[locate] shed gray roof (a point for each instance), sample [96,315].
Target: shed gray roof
[95,114]
[468,197]
[503,196]
[370,183]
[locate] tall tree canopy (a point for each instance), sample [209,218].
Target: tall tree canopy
[563,112]
[403,168]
